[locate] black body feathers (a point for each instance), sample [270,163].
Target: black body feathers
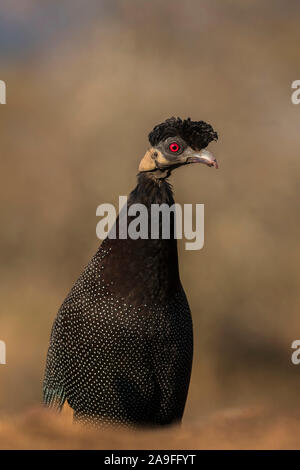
[122,343]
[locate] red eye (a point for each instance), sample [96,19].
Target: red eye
[174,147]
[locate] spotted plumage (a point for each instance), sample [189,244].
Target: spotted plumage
[121,345]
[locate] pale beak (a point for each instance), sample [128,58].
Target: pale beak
[203,156]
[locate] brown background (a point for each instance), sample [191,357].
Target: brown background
[86,82]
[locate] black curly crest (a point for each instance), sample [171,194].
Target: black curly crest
[197,134]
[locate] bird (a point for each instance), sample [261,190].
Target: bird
[121,345]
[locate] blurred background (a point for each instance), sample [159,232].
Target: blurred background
[86,81]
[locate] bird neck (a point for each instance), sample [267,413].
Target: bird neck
[152,188]
[144,270]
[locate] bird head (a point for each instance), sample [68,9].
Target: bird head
[176,142]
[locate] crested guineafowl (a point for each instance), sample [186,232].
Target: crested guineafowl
[121,345]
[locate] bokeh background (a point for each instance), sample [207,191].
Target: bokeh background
[86,82]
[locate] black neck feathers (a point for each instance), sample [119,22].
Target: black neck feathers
[145,271]
[152,188]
